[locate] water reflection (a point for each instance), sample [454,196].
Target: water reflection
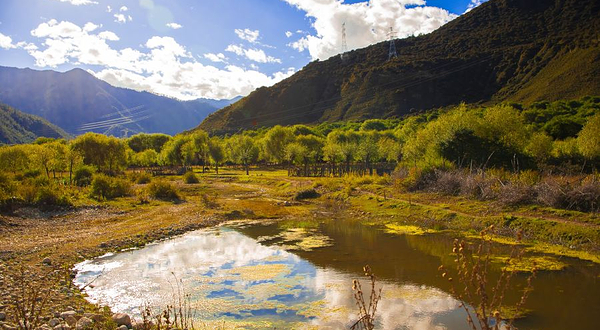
[232,277]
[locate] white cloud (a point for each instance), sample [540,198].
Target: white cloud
[108,35]
[366,22]
[124,8]
[79,2]
[473,4]
[174,25]
[253,54]
[89,27]
[121,18]
[108,9]
[215,57]
[165,67]
[288,34]
[6,42]
[248,35]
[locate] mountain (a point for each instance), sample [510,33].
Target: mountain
[79,102]
[503,50]
[18,127]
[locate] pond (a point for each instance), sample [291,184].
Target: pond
[256,275]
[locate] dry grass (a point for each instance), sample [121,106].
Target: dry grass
[471,284]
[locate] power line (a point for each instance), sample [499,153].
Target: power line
[405,80]
[392,53]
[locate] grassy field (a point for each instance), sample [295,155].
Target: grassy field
[55,241]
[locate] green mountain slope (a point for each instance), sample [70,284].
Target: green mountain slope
[515,50]
[18,127]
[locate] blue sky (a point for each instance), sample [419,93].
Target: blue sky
[202,48]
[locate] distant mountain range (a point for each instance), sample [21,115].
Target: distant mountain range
[78,102]
[18,127]
[503,50]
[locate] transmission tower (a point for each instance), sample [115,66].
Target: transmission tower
[344,43]
[392,53]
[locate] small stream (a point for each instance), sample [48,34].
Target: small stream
[263,276]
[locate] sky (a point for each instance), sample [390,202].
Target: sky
[217,49]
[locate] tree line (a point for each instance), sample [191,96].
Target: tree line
[561,136]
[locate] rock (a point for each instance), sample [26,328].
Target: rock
[122,319]
[47,261]
[71,320]
[54,322]
[7,326]
[66,314]
[123,327]
[95,317]
[62,327]
[83,323]
[2,316]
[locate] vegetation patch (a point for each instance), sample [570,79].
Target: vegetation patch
[162,189]
[394,228]
[306,194]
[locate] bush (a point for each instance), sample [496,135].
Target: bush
[448,183]
[49,196]
[106,187]
[140,178]
[190,178]
[83,176]
[418,179]
[514,194]
[32,173]
[161,189]
[306,194]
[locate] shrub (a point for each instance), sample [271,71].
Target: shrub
[190,178]
[514,194]
[418,179]
[161,189]
[49,196]
[106,187]
[143,178]
[27,192]
[32,173]
[585,197]
[448,183]
[306,194]
[478,186]
[140,178]
[83,176]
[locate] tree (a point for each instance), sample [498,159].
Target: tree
[148,157]
[243,150]
[14,158]
[43,156]
[200,141]
[368,150]
[539,147]
[588,140]
[73,160]
[106,153]
[142,141]
[216,152]
[342,144]
[373,125]
[275,141]
[172,153]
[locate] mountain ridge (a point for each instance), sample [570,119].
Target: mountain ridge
[503,50]
[78,102]
[18,127]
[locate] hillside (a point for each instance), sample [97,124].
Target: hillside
[79,102]
[504,50]
[18,127]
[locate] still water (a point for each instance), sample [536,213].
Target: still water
[262,276]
